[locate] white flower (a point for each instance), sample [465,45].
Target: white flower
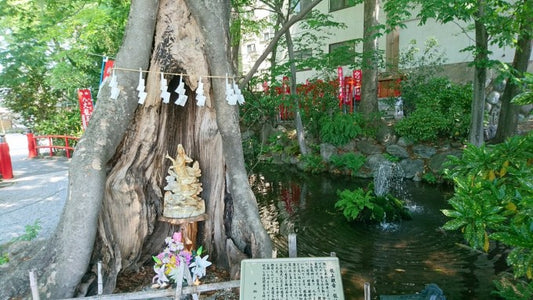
[160,276]
[198,267]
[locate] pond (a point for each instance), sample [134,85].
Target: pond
[398,258]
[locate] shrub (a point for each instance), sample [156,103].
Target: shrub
[339,129]
[313,164]
[348,161]
[493,201]
[440,109]
[364,206]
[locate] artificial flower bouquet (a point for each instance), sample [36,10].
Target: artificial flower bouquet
[167,263]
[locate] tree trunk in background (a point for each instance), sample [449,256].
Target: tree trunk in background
[476,136]
[508,119]
[369,89]
[297,114]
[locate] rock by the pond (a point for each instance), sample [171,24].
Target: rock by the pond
[397,151]
[412,168]
[424,151]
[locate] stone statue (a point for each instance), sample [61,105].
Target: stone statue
[183,187]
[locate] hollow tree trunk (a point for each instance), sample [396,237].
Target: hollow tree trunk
[129,231]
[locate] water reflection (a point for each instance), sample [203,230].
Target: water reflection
[397,261]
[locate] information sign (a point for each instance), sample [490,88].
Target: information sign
[305,278]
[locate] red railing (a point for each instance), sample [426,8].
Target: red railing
[33,145]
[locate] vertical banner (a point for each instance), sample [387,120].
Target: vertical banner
[341,86]
[107,66]
[357,78]
[86,106]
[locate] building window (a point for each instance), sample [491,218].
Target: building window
[250,48]
[340,4]
[301,57]
[267,36]
[342,53]
[300,4]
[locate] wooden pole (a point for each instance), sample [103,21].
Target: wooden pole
[33,286]
[367,291]
[292,245]
[100,280]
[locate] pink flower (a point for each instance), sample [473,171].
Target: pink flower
[177,237]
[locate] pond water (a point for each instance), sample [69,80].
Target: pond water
[398,258]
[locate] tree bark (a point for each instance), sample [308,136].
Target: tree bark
[508,119]
[369,85]
[63,262]
[476,136]
[245,231]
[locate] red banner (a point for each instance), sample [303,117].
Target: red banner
[357,77]
[107,68]
[86,106]
[341,86]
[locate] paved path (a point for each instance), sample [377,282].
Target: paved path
[36,193]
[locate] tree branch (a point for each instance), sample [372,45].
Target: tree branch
[286,26]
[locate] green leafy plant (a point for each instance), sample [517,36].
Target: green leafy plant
[429,178]
[30,232]
[493,201]
[4,258]
[362,205]
[313,164]
[339,129]
[348,161]
[438,109]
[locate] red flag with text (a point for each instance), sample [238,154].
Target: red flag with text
[86,106]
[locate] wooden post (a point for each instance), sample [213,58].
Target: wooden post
[188,228]
[100,280]
[33,286]
[367,290]
[293,250]
[179,280]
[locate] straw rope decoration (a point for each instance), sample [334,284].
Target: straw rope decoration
[233,93]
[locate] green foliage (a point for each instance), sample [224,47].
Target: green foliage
[339,129]
[362,205]
[493,200]
[526,97]
[429,178]
[313,164]
[352,203]
[511,288]
[48,52]
[4,259]
[30,232]
[438,109]
[348,161]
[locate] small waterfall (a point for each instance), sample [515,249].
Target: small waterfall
[389,179]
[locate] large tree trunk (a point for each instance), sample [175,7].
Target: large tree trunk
[508,119]
[245,232]
[476,136]
[369,89]
[63,262]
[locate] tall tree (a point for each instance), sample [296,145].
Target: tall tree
[495,23]
[116,177]
[369,84]
[508,119]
